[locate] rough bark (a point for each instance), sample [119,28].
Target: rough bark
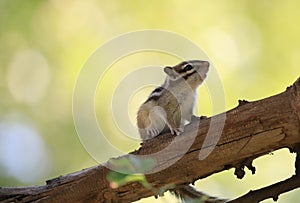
[251,130]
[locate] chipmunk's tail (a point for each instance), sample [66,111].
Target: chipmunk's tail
[190,194]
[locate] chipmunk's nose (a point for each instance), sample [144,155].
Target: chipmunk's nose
[206,63]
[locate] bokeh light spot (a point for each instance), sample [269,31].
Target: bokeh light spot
[28,76]
[23,154]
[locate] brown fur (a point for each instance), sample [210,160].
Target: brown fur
[173,103]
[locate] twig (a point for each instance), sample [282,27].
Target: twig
[272,191]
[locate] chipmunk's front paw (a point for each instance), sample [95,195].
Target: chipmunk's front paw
[176,131]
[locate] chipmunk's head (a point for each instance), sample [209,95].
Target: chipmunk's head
[193,72]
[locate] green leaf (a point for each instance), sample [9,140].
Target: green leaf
[132,164]
[117,179]
[130,169]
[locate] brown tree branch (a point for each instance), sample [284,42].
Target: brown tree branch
[272,191]
[251,130]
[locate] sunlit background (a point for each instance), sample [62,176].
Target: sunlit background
[254,45]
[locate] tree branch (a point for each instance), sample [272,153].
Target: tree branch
[251,130]
[272,191]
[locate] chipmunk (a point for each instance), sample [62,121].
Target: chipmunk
[169,107]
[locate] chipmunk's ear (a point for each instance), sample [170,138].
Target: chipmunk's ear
[171,73]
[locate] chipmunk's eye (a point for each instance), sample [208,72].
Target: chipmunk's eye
[187,67]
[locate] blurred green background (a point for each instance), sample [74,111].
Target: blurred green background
[254,46]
